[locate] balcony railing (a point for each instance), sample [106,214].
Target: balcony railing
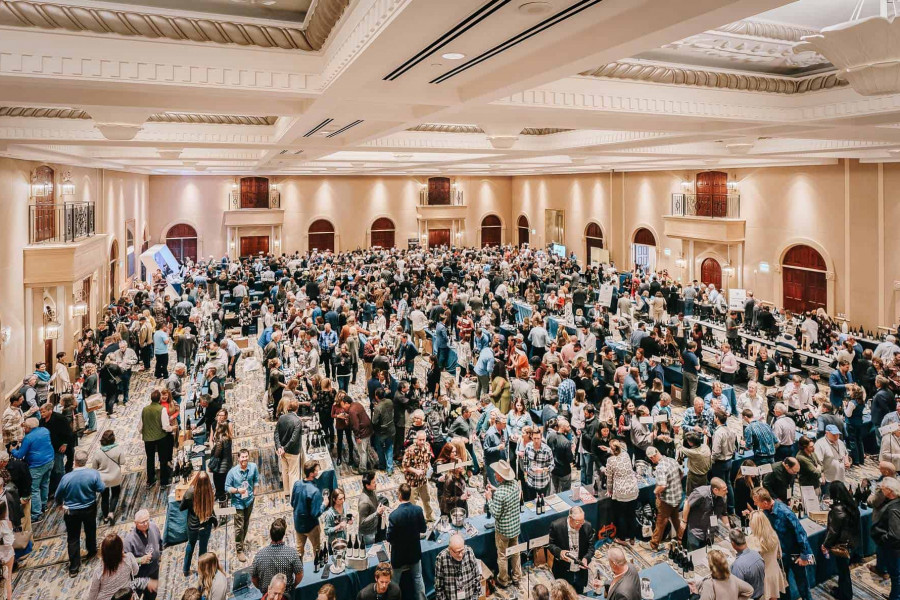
[707,205]
[234,200]
[60,223]
[456,198]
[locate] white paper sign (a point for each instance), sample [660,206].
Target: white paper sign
[713,521]
[889,428]
[604,296]
[646,420]
[750,471]
[810,498]
[539,542]
[736,298]
[513,550]
[450,466]
[765,469]
[661,418]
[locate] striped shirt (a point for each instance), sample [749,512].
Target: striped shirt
[538,459]
[668,475]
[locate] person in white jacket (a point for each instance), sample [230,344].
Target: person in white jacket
[728,364]
[890,449]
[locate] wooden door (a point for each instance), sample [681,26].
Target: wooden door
[382,233]
[438,237]
[712,194]
[254,192]
[251,245]
[804,279]
[711,272]
[44,211]
[321,236]
[49,354]
[593,236]
[86,297]
[438,190]
[491,231]
[524,230]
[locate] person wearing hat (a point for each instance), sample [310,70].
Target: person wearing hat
[503,501]
[832,454]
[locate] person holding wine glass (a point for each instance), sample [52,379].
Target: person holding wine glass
[334,521]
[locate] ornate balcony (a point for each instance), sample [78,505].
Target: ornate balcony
[60,223]
[715,206]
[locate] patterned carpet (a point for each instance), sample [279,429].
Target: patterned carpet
[44,575]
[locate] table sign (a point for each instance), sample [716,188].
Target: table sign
[513,550]
[765,469]
[661,418]
[604,296]
[538,542]
[810,498]
[451,466]
[736,299]
[646,420]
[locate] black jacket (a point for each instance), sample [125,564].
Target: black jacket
[405,524]
[886,532]
[60,430]
[559,541]
[843,527]
[779,481]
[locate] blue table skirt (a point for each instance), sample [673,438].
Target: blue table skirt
[553,324]
[673,377]
[664,581]
[175,531]
[621,349]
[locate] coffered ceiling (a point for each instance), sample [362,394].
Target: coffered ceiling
[430,86]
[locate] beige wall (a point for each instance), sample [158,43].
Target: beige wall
[118,197]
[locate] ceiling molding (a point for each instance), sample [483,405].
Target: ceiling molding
[668,74]
[188,118]
[25,13]
[442,128]
[771,31]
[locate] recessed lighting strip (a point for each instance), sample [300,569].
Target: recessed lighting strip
[518,39]
[317,127]
[344,128]
[465,25]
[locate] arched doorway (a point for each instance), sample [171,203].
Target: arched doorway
[643,249]
[524,230]
[113,270]
[712,194]
[321,235]
[711,272]
[593,237]
[491,231]
[382,233]
[42,190]
[182,241]
[804,279]
[254,192]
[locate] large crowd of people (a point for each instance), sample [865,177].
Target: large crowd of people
[415,359]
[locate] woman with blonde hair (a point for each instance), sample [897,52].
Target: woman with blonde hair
[213,584]
[561,589]
[764,540]
[721,583]
[607,412]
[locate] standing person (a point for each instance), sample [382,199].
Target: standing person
[288,432]
[145,341]
[724,445]
[416,461]
[7,538]
[457,573]
[495,445]
[841,537]
[277,559]
[538,462]
[764,540]
[626,583]
[77,492]
[832,454]
[791,535]
[759,437]
[785,431]
[700,508]
[558,441]
[108,462]
[504,503]
[334,521]
[571,544]
[370,510]
[144,542]
[307,507]
[61,437]
[361,425]
[161,344]
[199,501]
[748,565]
[668,495]
[241,483]
[721,584]
[384,431]
[36,451]
[342,424]
[155,431]
[221,457]
[622,487]
[383,588]
[213,583]
[885,532]
[405,524]
[690,366]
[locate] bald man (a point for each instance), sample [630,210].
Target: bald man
[571,542]
[626,583]
[457,575]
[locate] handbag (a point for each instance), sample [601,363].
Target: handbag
[21,539]
[94,402]
[79,422]
[840,550]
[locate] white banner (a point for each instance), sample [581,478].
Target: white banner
[604,296]
[736,298]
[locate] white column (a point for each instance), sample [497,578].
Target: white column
[62,314]
[690,276]
[29,324]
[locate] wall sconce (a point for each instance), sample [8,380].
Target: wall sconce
[274,187]
[51,330]
[234,185]
[534,232]
[67,187]
[728,270]
[667,251]
[680,263]
[686,185]
[732,186]
[79,309]
[763,267]
[5,335]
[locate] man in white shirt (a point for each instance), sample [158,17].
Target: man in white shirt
[832,454]
[795,395]
[809,332]
[785,432]
[728,364]
[886,349]
[754,401]
[419,321]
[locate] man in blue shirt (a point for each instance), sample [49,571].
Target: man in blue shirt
[306,502]
[631,389]
[838,382]
[759,437]
[240,483]
[794,543]
[690,371]
[566,390]
[405,524]
[484,368]
[495,443]
[748,565]
[77,492]
[36,450]
[328,339]
[161,351]
[441,343]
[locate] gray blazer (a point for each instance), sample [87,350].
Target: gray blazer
[626,587]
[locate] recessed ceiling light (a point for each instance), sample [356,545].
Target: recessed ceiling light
[453,56]
[537,7]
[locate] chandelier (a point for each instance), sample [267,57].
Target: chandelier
[866,51]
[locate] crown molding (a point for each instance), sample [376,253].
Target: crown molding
[442,128]
[771,31]
[684,76]
[26,13]
[186,118]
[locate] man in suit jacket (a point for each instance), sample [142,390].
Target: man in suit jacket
[571,543]
[405,524]
[626,583]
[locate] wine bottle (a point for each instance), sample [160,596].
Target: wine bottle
[316,561]
[354,545]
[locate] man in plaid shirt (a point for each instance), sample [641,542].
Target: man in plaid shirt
[504,503]
[457,574]
[759,437]
[700,419]
[668,494]
[416,461]
[537,464]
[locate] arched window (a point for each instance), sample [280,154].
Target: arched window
[113,270]
[643,250]
[491,231]
[593,237]
[254,192]
[524,230]
[182,241]
[711,272]
[321,235]
[804,279]
[382,233]
[644,236]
